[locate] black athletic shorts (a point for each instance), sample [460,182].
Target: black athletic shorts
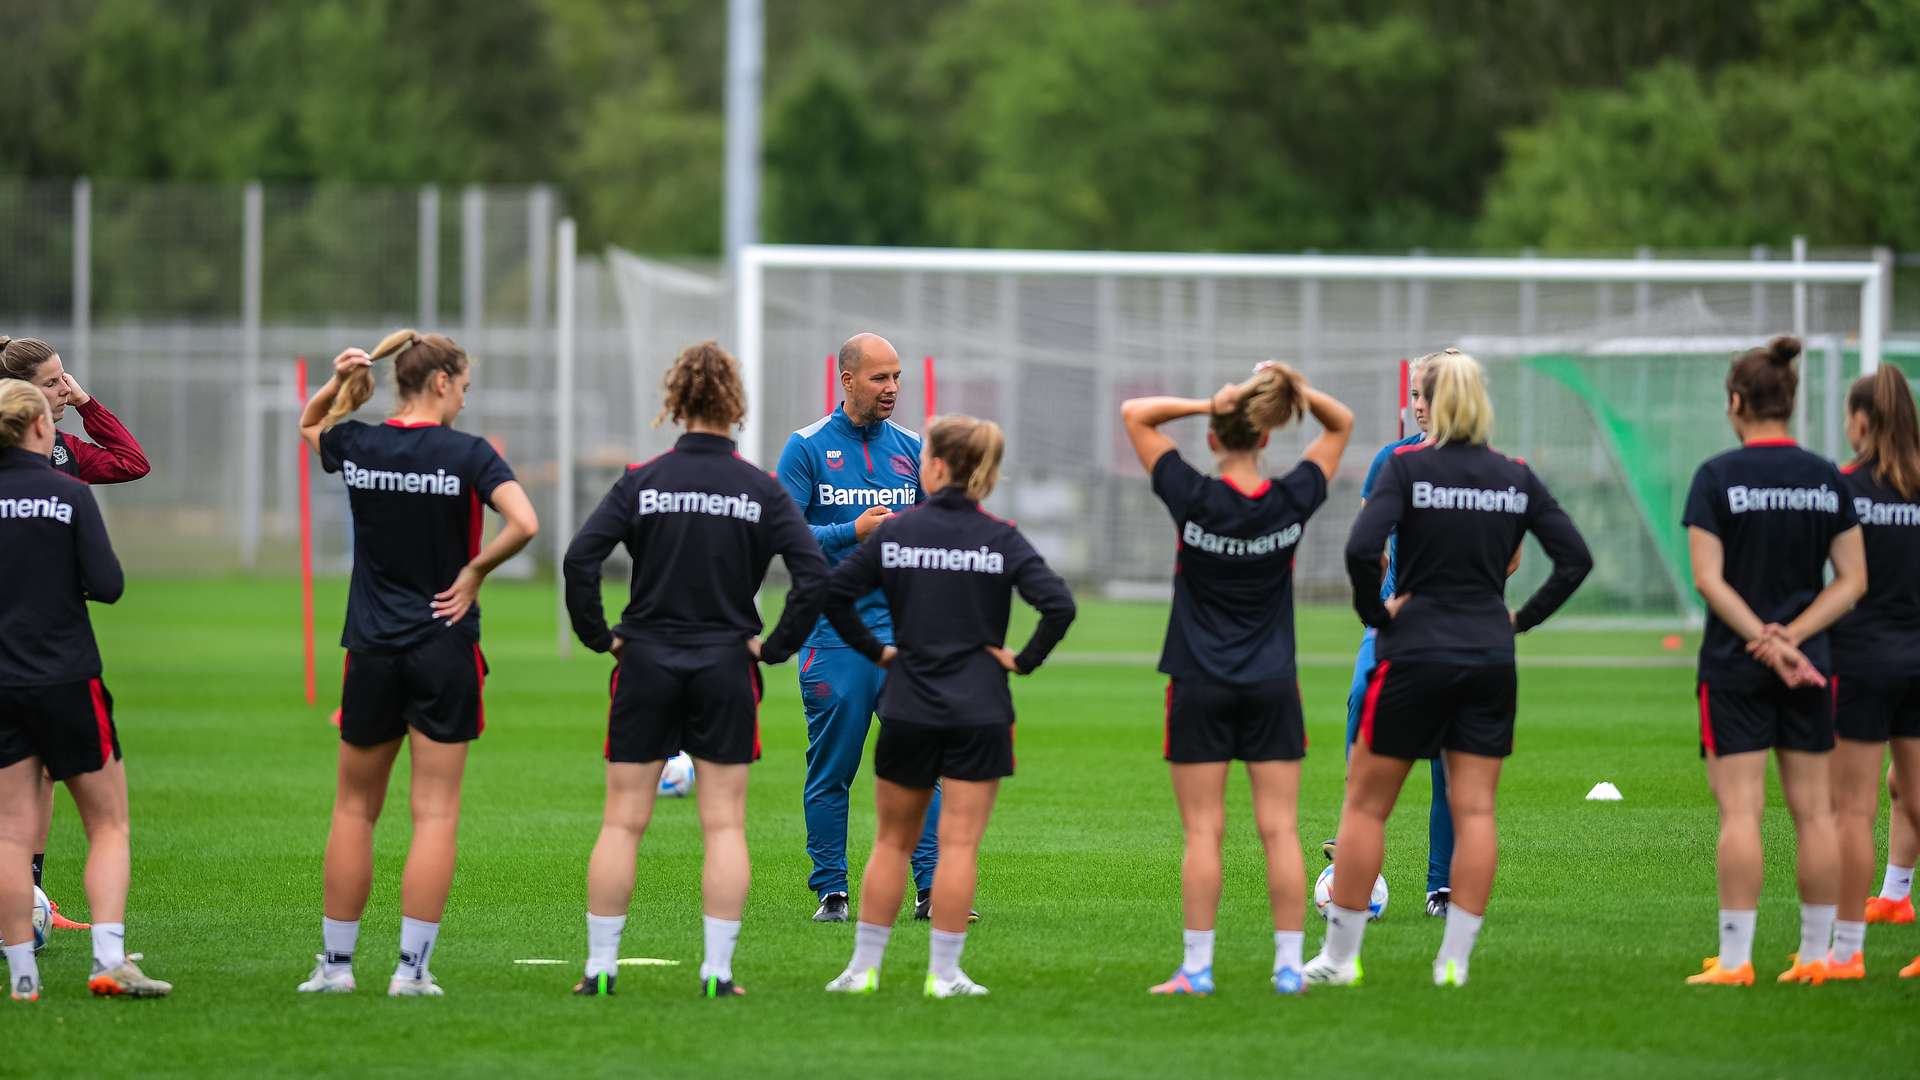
[918,755]
[433,688]
[704,700]
[1876,709]
[1415,710]
[68,726]
[1209,720]
[1736,721]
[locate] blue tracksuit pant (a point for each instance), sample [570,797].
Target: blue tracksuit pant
[840,689]
[1439,818]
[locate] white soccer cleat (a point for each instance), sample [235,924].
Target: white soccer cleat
[958,986]
[320,982]
[856,982]
[1449,973]
[421,987]
[1321,971]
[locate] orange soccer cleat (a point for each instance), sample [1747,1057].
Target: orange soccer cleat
[1855,968]
[1885,912]
[61,922]
[1911,971]
[1712,974]
[1812,973]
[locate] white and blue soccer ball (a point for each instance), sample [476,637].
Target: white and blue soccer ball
[1323,895]
[42,919]
[676,780]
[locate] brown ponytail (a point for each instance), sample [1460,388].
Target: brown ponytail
[20,358]
[971,449]
[1275,397]
[703,385]
[20,405]
[1766,380]
[416,359]
[1892,450]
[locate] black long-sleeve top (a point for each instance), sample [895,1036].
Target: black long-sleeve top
[949,570]
[701,525]
[1460,512]
[54,545]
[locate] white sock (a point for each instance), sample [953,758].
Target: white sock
[22,965]
[1898,882]
[1736,938]
[1849,939]
[943,953]
[869,946]
[1816,931]
[1463,928]
[721,936]
[338,940]
[109,944]
[603,943]
[416,948]
[1345,928]
[1286,949]
[1199,944]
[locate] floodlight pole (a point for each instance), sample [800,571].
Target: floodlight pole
[745,61]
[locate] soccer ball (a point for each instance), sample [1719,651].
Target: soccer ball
[676,780]
[42,919]
[1323,895]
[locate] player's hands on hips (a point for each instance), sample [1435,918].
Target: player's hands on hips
[75,395]
[753,647]
[349,362]
[453,604]
[621,643]
[1394,605]
[1005,657]
[886,656]
[864,525]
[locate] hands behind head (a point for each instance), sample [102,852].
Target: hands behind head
[1781,654]
[349,362]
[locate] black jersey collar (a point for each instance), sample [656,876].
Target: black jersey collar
[702,443]
[953,496]
[17,458]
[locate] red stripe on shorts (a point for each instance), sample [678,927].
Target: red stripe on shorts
[753,679]
[101,720]
[1706,721]
[1372,703]
[613,692]
[480,688]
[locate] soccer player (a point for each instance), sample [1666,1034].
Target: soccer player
[949,571]
[56,715]
[849,471]
[1444,683]
[1874,647]
[115,460]
[701,525]
[414,671]
[1233,689]
[1762,523]
[1439,821]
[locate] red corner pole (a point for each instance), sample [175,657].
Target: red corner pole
[1405,401]
[832,363]
[933,390]
[306,536]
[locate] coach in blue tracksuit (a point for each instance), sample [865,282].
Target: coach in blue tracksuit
[849,471]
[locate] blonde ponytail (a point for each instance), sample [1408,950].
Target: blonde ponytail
[971,449]
[1458,408]
[20,405]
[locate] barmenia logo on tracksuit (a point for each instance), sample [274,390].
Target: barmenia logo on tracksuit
[836,496]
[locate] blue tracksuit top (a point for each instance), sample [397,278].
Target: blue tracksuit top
[837,470]
[1366,492]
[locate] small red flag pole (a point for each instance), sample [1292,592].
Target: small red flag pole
[831,364]
[932,388]
[1405,401]
[306,536]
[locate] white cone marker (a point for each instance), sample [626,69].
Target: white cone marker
[1604,791]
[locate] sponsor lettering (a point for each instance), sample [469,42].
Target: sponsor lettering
[1193,536]
[437,482]
[1879,513]
[1510,500]
[979,560]
[1822,499]
[55,508]
[828,495]
[741,506]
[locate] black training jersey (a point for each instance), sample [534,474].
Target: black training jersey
[701,525]
[1232,615]
[55,548]
[1881,635]
[1776,509]
[949,570]
[416,492]
[1460,512]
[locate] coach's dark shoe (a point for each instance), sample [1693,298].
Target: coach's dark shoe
[923,905]
[715,987]
[1437,902]
[595,986]
[1326,848]
[833,908]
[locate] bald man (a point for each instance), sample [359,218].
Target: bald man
[849,471]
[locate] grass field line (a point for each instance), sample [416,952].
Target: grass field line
[1096,659]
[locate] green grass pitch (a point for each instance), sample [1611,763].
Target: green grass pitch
[1599,911]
